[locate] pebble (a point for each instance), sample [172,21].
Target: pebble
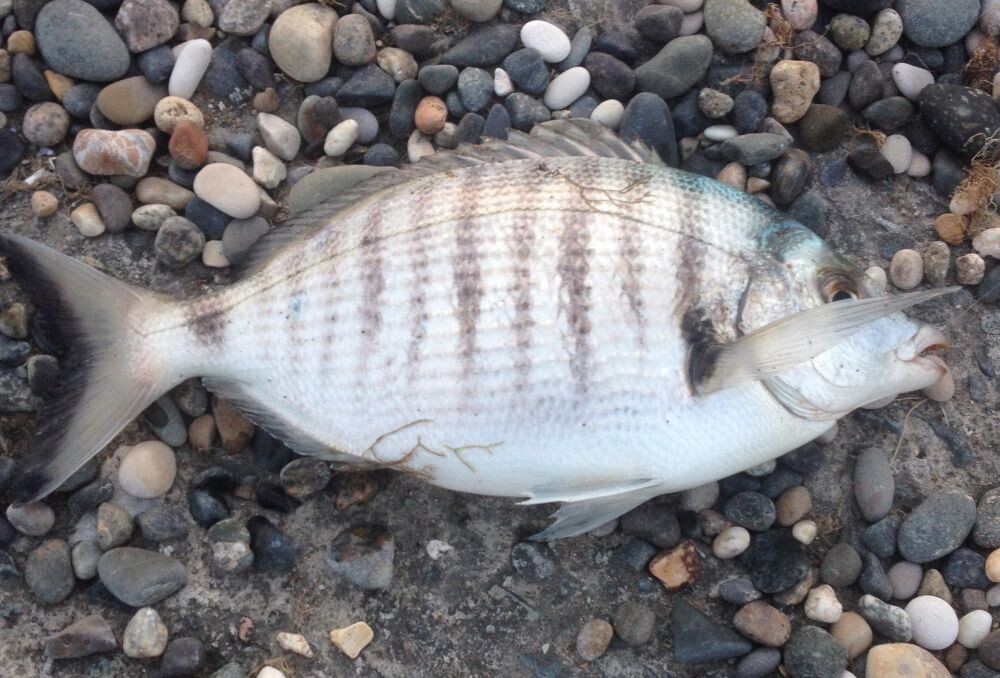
[190,67]
[927,25]
[753,149]
[243,18]
[139,577]
[145,635]
[206,508]
[114,526]
[989,650]
[951,228]
[305,476]
[887,29]
[987,528]
[268,170]
[549,40]
[45,124]
[966,569]
[593,639]
[609,113]
[48,571]
[777,561]
[911,80]
[294,642]
[811,651]
[398,63]
[238,239]
[849,32]
[887,620]
[44,204]
[368,86]
[853,633]
[301,41]
[33,518]
[675,68]
[905,579]
[567,88]
[937,526]
[933,622]
[676,568]
[266,672]
[874,485]
[751,510]
[658,23]
[937,261]
[933,584]
[960,116]
[697,638]
[475,88]
[156,64]
[904,659]
[351,640]
[77,41]
[874,579]
[969,269]
[898,152]
[795,83]
[106,153]
[146,23]
[841,566]
[973,628]
[731,542]
[340,138]
[228,189]
[183,656]
[171,110]
[805,531]
[273,551]
[281,137]
[760,663]
[763,624]
[178,242]
[87,220]
[906,270]
[84,637]
[439,78]
[84,557]
[823,606]
[735,26]
[113,205]
[801,14]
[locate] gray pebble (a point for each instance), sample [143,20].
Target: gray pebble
[812,652]
[905,579]
[634,623]
[987,529]
[48,571]
[841,566]
[751,510]
[364,556]
[873,578]
[887,620]
[654,523]
[178,242]
[874,485]
[937,527]
[163,522]
[163,416]
[139,577]
[84,557]
[32,518]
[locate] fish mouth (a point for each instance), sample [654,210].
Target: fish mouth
[920,349]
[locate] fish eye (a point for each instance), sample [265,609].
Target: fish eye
[839,288]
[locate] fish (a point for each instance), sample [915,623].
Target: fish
[556,317]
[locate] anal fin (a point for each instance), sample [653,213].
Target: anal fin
[578,516]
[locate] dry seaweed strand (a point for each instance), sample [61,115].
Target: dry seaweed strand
[979,69]
[862,132]
[981,178]
[780,26]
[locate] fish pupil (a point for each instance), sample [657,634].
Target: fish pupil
[842,295]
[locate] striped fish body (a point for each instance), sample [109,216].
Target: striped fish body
[504,329]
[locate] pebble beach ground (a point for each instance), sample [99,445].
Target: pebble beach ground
[160,140]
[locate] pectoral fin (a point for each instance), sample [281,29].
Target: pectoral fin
[792,340]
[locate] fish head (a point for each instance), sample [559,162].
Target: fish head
[876,362]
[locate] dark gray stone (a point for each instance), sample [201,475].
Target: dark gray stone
[937,527]
[811,652]
[138,577]
[363,555]
[484,46]
[697,638]
[676,68]
[962,117]
[77,41]
[929,23]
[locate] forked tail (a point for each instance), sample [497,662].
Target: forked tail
[108,375]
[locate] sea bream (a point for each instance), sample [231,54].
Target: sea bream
[557,317]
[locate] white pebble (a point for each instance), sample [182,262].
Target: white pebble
[898,152]
[934,622]
[268,170]
[212,255]
[340,138]
[877,280]
[148,469]
[684,5]
[229,189]
[280,136]
[720,132]
[911,80]
[436,548]
[418,146]
[699,498]
[192,62]
[973,628]
[87,220]
[270,672]
[805,531]
[962,204]
[731,542]
[987,243]
[692,23]
[920,165]
[502,85]
[822,605]
[970,269]
[387,8]
[294,642]
[549,40]
[906,270]
[609,113]
[566,88]
[762,469]
[801,14]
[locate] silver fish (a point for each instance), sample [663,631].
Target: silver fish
[557,317]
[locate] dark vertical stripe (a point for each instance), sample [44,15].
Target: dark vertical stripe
[523,242]
[372,269]
[420,264]
[630,248]
[467,280]
[574,271]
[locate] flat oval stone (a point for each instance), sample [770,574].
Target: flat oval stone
[962,117]
[106,153]
[77,41]
[675,68]
[301,41]
[228,189]
[929,23]
[567,88]
[139,577]
[192,63]
[130,101]
[550,41]
[937,527]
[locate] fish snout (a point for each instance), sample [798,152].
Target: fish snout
[916,352]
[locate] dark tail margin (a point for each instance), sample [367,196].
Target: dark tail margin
[91,317]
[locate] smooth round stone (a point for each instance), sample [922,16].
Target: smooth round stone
[268,170]
[593,639]
[841,565]
[928,23]
[439,78]
[906,271]
[281,137]
[45,124]
[156,64]
[735,26]
[84,557]
[305,476]
[850,32]
[634,623]
[106,153]
[887,28]
[527,70]
[178,242]
[353,41]
[146,23]
[48,571]
[911,80]
[340,138]
[398,63]
[973,628]
[933,621]
[145,635]
[567,88]
[240,236]
[753,149]
[87,220]
[301,41]
[273,551]
[720,132]
[243,18]
[853,633]
[811,651]
[130,101]
[114,206]
[987,528]
[675,68]
[114,526]
[549,40]
[609,113]
[960,116]
[77,41]
[777,561]
[184,656]
[368,86]
[874,484]
[905,579]
[148,470]
[170,111]
[904,659]
[731,542]
[139,577]
[228,189]
[751,510]
[898,152]
[33,518]
[823,606]
[475,87]
[192,63]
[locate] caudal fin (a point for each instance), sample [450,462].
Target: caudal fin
[90,316]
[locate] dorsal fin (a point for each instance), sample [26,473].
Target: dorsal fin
[551,139]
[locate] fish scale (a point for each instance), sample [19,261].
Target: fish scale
[557,317]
